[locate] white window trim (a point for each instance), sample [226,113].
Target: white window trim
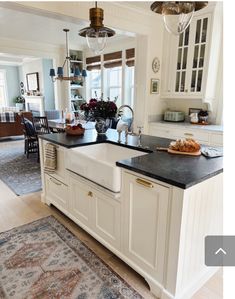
[5,89]
[122,86]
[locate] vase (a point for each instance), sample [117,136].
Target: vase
[102,125]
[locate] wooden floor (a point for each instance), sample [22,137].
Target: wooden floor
[18,210]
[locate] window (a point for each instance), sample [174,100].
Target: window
[113,86]
[95,84]
[3,88]
[106,74]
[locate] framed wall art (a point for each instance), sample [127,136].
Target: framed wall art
[32,80]
[154,86]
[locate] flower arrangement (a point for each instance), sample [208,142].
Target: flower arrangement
[19,99]
[99,109]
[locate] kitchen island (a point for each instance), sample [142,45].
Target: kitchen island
[157,222]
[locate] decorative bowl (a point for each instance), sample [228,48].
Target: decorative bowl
[70,130]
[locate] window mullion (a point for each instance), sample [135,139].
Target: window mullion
[102,76]
[123,85]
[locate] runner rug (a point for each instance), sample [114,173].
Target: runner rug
[45,260]
[22,175]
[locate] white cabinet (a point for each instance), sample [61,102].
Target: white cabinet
[56,193]
[145,211]
[172,131]
[80,200]
[95,209]
[107,215]
[191,61]
[186,58]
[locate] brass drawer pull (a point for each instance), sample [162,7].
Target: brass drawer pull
[144,183]
[55,182]
[90,194]
[188,134]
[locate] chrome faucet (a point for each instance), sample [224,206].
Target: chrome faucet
[132,118]
[123,126]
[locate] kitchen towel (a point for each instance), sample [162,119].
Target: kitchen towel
[50,161]
[212,152]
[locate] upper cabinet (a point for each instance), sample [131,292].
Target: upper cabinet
[187,59]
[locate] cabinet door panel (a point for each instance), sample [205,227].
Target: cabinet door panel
[145,225]
[106,213]
[80,197]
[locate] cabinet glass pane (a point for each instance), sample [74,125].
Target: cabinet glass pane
[193,81]
[181,39]
[202,56]
[195,56]
[182,85]
[177,83]
[186,36]
[185,58]
[199,80]
[198,32]
[179,59]
[204,30]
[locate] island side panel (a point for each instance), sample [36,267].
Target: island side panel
[202,215]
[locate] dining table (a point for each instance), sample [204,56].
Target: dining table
[59,125]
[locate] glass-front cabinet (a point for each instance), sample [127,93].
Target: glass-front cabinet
[185,60]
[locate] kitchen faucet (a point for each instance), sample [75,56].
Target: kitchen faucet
[132,116]
[124,126]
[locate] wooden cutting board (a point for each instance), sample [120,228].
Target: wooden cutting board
[198,153]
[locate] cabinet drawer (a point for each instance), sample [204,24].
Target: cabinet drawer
[216,139]
[160,131]
[56,192]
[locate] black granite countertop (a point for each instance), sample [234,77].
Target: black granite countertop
[178,170]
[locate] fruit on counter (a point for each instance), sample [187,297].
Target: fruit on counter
[74,127]
[185,145]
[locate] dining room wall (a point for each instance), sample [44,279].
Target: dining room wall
[13,83]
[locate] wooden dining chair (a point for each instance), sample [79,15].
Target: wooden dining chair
[31,144]
[40,124]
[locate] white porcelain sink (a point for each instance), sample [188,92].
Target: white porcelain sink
[98,163]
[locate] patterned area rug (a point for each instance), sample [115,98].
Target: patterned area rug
[44,260]
[20,174]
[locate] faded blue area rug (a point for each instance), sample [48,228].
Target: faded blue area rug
[43,260]
[20,174]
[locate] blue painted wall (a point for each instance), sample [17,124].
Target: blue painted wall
[47,64]
[13,82]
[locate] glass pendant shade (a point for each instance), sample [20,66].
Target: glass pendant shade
[96,40]
[177,16]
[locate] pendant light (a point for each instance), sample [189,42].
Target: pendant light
[96,35]
[77,75]
[177,15]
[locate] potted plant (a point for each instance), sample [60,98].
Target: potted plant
[20,102]
[101,112]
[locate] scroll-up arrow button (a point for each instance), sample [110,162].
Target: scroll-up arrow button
[221,250]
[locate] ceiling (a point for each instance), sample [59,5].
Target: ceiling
[25,26]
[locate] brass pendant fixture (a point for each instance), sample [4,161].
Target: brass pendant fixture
[177,15]
[96,34]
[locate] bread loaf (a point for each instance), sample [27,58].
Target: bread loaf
[188,145]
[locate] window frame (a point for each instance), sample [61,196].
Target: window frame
[105,79]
